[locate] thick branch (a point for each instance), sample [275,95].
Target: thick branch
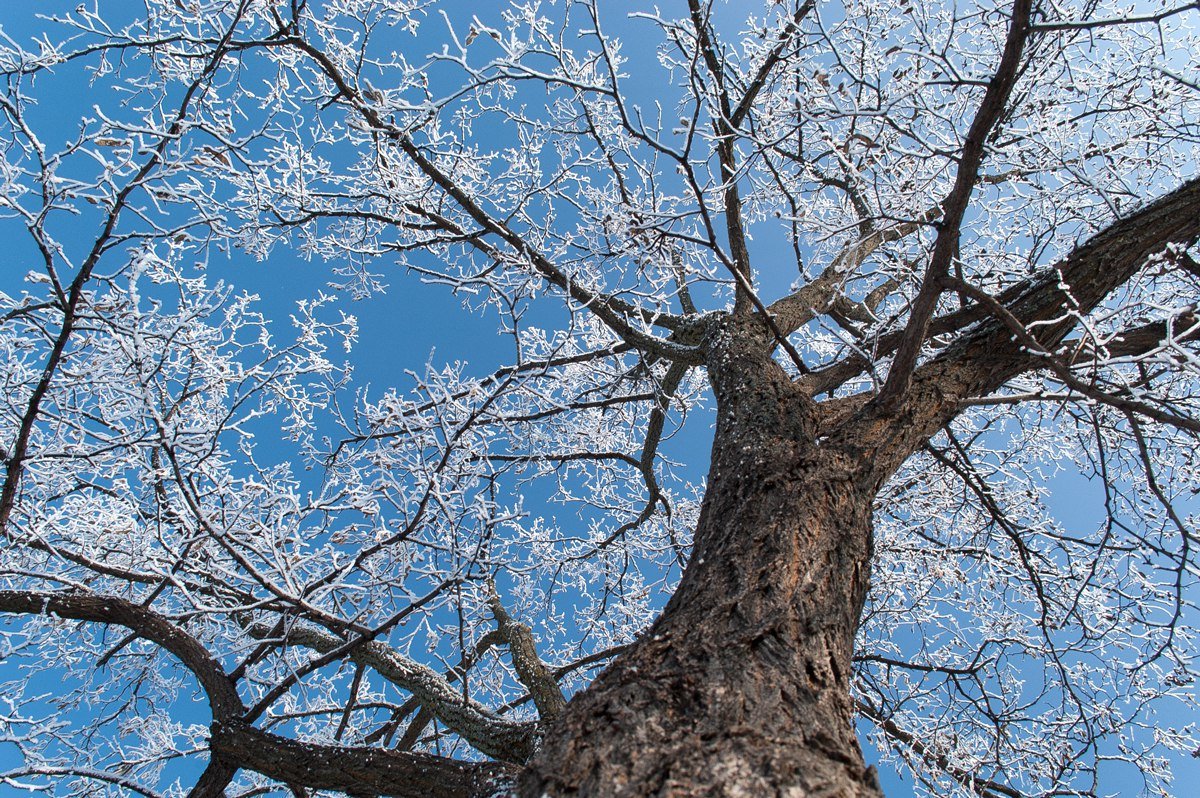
[1051,305]
[803,305]
[1047,306]
[1147,337]
[1063,372]
[149,625]
[357,771]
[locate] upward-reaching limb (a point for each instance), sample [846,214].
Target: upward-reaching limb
[1048,306]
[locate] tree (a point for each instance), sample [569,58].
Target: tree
[916,259]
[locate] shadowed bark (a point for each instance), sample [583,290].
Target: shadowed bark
[356,770]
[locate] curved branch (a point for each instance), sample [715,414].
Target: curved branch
[236,744]
[147,624]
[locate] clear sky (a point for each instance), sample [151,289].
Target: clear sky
[412,322]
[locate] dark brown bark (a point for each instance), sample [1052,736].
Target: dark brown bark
[355,770]
[741,688]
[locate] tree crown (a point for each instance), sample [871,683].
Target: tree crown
[964,232]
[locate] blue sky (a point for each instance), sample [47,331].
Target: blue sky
[412,322]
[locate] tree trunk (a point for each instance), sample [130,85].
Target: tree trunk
[742,686]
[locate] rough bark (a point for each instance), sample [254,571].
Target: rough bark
[741,688]
[354,770]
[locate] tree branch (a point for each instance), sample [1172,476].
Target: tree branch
[1048,306]
[613,312]
[1063,372]
[14,462]
[954,208]
[358,771]
[533,673]
[759,81]
[498,738]
[984,788]
[237,744]
[1051,304]
[727,157]
[147,624]
[818,296]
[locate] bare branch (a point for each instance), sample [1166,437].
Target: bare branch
[954,207]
